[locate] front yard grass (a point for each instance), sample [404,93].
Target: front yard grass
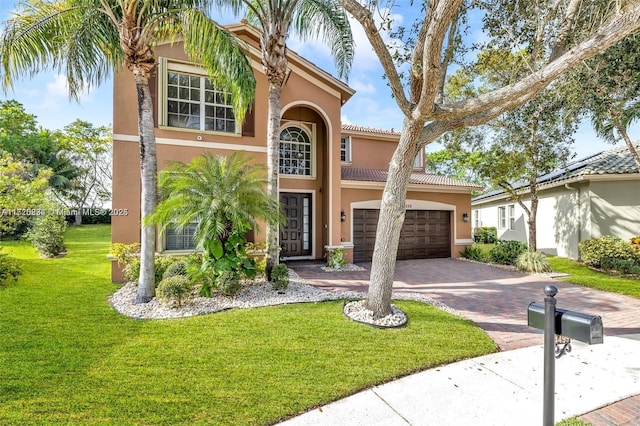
[66,357]
[583,275]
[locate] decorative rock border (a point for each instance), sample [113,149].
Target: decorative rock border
[357,311]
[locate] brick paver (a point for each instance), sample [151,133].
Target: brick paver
[497,300]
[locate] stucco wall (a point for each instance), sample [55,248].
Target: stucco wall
[615,208]
[562,219]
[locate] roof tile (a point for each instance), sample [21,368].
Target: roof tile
[419,178]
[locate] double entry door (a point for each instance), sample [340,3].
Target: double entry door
[295,235]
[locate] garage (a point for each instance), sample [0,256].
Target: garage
[425,234]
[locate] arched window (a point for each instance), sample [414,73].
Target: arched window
[295,152]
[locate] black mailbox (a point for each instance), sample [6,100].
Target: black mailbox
[576,325]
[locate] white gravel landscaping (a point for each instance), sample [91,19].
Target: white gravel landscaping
[254,294]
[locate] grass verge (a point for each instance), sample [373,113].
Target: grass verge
[67,358]
[583,275]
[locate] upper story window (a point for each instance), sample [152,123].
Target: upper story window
[188,100]
[295,152]
[345,149]
[193,103]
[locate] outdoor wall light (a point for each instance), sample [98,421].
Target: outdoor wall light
[343,216]
[465,217]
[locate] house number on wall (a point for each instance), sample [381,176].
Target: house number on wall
[407,206]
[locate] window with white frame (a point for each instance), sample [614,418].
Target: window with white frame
[345,149]
[295,152]
[418,162]
[191,102]
[511,216]
[502,217]
[477,222]
[180,238]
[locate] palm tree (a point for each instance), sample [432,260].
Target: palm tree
[87,39]
[223,196]
[275,19]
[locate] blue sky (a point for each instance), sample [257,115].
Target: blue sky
[46,96]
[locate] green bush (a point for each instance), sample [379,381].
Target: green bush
[335,258]
[531,261]
[623,266]
[507,251]
[606,249]
[174,289]
[280,277]
[131,270]
[9,268]
[161,263]
[473,253]
[47,235]
[178,267]
[485,234]
[228,283]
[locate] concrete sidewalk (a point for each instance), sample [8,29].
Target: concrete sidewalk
[499,389]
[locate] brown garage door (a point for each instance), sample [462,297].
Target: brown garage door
[424,235]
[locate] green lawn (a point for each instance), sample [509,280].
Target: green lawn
[67,358]
[582,275]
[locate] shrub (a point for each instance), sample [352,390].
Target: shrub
[47,235]
[473,253]
[174,289]
[485,234]
[161,263]
[623,266]
[595,251]
[280,277]
[506,252]
[335,258]
[533,261]
[178,268]
[228,283]
[9,268]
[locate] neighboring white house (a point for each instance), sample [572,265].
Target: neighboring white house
[598,195]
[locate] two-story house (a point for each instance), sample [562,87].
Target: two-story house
[331,175]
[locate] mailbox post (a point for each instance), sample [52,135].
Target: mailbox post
[548,404]
[559,322]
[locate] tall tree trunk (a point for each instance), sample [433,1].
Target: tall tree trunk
[632,149]
[275,64]
[148,196]
[273,166]
[533,212]
[392,211]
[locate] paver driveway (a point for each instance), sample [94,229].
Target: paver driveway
[493,298]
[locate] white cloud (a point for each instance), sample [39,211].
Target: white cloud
[362,87]
[57,93]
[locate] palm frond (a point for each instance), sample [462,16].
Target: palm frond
[329,20]
[66,36]
[221,54]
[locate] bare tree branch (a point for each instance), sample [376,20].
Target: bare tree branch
[365,18]
[526,89]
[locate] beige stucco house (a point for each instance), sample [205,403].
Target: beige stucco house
[598,195]
[331,175]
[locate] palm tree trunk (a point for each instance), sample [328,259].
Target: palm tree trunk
[273,165]
[148,172]
[632,149]
[392,211]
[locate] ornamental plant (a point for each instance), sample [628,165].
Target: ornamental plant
[47,235]
[335,258]
[9,268]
